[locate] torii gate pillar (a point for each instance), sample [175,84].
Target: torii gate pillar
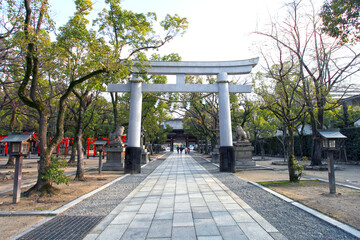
[227,157]
[133,149]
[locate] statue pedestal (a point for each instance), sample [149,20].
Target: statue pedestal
[243,156]
[115,156]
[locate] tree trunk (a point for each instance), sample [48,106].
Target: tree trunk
[42,185]
[262,149]
[292,173]
[114,101]
[11,162]
[316,156]
[72,160]
[80,171]
[346,115]
[316,143]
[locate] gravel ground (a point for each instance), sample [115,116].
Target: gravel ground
[76,222]
[292,222]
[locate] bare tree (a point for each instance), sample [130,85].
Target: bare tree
[323,63]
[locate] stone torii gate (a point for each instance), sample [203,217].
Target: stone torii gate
[222,86]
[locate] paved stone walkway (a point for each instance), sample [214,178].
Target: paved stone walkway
[181,200]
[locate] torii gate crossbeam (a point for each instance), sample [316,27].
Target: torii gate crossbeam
[180,69]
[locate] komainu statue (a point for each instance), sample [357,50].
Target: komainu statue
[116,135]
[241,135]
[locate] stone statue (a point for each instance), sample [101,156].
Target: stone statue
[241,135]
[116,135]
[115,153]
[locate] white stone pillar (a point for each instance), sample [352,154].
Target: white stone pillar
[224,111]
[133,149]
[226,150]
[134,131]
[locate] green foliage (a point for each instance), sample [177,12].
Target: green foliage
[287,183]
[340,117]
[352,143]
[55,173]
[341,20]
[299,166]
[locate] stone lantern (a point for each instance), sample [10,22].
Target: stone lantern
[19,147]
[331,142]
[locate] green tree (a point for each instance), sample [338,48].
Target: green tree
[341,20]
[100,58]
[261,125]
[285,102]
[39,50]
[130,34]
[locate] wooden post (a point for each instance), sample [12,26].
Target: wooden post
[331,172]
[17,179]
[100,162]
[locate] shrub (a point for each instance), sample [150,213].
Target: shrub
[55,173]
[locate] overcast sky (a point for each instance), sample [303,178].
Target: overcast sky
[218,30]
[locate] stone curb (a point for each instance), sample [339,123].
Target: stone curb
[340,225]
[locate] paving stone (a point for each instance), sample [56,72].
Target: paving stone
[137,201]
[124,218]
[183,198]
[166,202]
[148,208]
[223,218]
[182,207]
[142,221]
[164,213]
[254,231]
[160,229]
[241,216]
[131,208]
[206,227]
[183,219]
[201,212]
[209,238]
[211,197]
[113,232]
[232,232]
[135,233]
[226,199]
[197,202]
[183,233]
[216,206]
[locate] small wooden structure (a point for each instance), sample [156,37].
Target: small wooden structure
[19,146]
